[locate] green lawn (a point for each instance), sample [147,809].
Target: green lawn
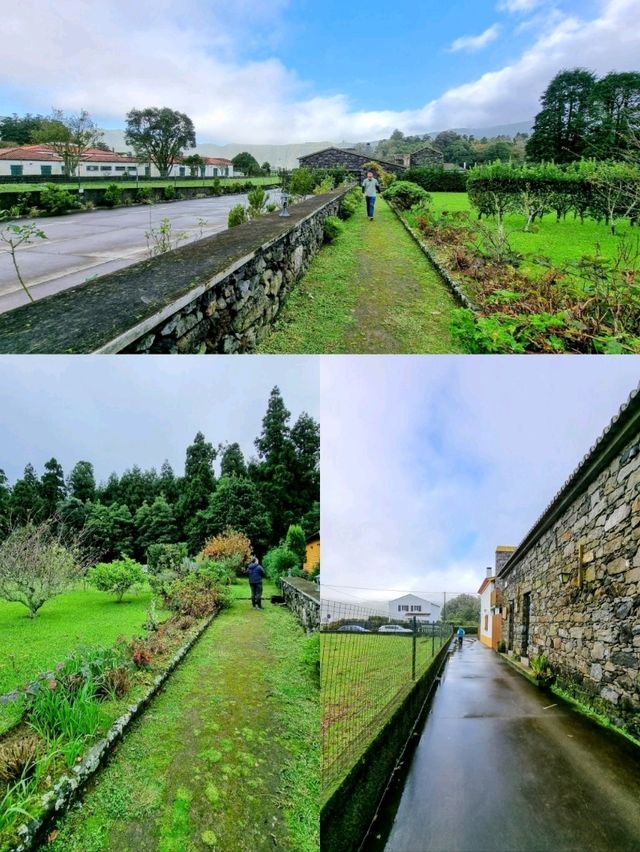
[226,756]
[130,183]
[83,617]
[370,291]
[562,241]
[363,680]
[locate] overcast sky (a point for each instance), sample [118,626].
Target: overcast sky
[119,411]
[429,463]
[277,71]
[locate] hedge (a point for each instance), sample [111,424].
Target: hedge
[437,180]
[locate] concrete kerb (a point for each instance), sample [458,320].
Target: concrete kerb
[347,816]
[57,801]
[424,247]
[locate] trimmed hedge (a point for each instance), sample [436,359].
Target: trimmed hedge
[437,180]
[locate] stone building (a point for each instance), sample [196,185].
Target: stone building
[490,628]
[428,155]
[571,589]
[329,158]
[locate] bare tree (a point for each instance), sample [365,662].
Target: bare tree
[69,136]
[40,561]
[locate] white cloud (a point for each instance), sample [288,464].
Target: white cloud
[118,55]
[429,463]
[519,5]
[474,43]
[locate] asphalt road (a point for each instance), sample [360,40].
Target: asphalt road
[499,770]
[81,246]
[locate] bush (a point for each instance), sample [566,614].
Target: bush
[166,557]
[350,204]
[437,180]
[279,562]
[116,577]
[18,758]
[195,596]
[257,199]
[229,545]
[332,228]
[144,195]
[385,178]
[325,185]
[405,195]
[57,200]
[296,542]
[237,215]
[302,182]
[56,711]
[169,192]
[112,195]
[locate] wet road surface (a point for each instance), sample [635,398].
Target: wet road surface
[80,246]
[498,770]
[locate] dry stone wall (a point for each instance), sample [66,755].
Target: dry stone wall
[303,599]
[583,579]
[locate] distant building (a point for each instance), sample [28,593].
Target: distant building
[428,155]
[329,158]
[490,629]
[409,606]
[312,557]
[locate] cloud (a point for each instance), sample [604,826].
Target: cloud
[474,43]
[429,463]
[200,66]
[519,5]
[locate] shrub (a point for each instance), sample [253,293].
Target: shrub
[325,185]
[57,200]
[116,577]
[405,195]
[279,562]
[56,711]
[332,228]
[237,215]
[140,654]
[350,204]
[271,207]
[112,195]
[194,596]
[166,557]
[437,180]
[18,758]
[229,545]
[257,199]
[296,542]
[116,682]
[169,192]
[221,573]
[216,187]
[144,195]
[302,182]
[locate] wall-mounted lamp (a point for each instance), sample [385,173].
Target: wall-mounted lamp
[565,574]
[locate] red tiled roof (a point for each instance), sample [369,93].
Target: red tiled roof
[46,153]
[217,161]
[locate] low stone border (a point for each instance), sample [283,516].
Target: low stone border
[58,800]
[453,285]
[522,670]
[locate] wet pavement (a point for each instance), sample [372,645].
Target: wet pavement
[81,246]
[499,770]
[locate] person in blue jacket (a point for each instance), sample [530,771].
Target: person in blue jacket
[256,573]
[460,635]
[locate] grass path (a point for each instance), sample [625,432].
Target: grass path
[227,757]
[372,291]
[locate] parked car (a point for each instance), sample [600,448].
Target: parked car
[394,628]
[352,628]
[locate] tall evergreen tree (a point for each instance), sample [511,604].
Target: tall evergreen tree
[232,462]
[53,487]
[236,504]
[26,498]
[616,115]
[111,529]
[82,483]
[72,513]
[5,505]
[155,524]
[167,483]
[199,481]
[562,127]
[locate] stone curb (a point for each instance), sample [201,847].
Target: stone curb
[453,285]
[58,800]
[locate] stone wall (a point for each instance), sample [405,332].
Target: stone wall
[303,599]
[332,157]
[582,575]
[218,294]
[425,157]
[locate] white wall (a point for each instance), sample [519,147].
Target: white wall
[485,610]
[29,167]
[413,605]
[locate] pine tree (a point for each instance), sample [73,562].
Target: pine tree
[232,462]
[155,524]
[562,127]
[53,487]
[82,483]
[26,498]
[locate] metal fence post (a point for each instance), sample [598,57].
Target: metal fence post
[433,638]
[413,655]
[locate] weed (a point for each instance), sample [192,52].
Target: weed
[162,239]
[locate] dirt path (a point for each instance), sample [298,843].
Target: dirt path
[210,764]
[372,291]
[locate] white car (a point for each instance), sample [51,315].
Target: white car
[394,628]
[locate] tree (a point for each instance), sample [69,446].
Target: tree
[296,543]
[246,163]
[279,562]
[36,564]
[305,437]
[5,504]
[561,128]
[116,577]
[26,498]
[137,486]
[160,135]
[232,461]
[265,168]
[616,114]
[194,162]
[167,483]
[110,529]
[19,130]
[155,524]
[72,514]
[462,608]
[69,136]
[52,487]
[311,519]
[199,479]
[236,503]
[82,483]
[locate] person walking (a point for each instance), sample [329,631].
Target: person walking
[256,573]
[370,188]
[460,635]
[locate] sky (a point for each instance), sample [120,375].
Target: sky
[121,411]
[429,463]
[285,71]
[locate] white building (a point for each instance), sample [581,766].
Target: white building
[411,605]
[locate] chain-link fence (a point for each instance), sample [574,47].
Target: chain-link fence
[368,664]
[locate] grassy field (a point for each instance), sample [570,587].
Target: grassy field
[131,183]
[363,679]
[567,240]
[370,291]
[83,617]
[226,757]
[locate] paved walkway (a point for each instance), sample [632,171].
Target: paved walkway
[80,246]
[499,770]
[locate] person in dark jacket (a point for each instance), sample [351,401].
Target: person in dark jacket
[256,573]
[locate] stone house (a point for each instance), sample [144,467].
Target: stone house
[329,158]
[571,589]
[428,155]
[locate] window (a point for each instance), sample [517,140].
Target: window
[16,171]
[120,168]
[183,171]
[215,172]
[486,623]
[45,170]
[131,168]
[147,171]
[416,608]
[403,608]
[92,168]
[105,168]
